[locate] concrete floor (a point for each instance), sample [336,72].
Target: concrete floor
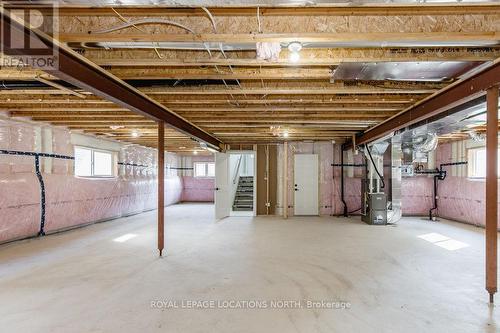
[84,281]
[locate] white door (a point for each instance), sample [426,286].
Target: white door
[306,184]
[222,190]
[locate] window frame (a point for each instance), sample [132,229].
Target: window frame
[114,165]
[206,168]
[471,163]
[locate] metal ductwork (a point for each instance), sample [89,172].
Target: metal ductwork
[426,145]
[429,71]
[477,137]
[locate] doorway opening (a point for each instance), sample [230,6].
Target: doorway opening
[235,187]
[242,182]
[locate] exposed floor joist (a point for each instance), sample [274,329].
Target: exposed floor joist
[258,96]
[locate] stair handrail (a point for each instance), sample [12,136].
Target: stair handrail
[237,170]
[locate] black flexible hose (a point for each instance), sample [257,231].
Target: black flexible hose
[375,167]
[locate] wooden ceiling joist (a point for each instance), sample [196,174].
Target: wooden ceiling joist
[340,9]
[257,95]
[80,72]
[446,38]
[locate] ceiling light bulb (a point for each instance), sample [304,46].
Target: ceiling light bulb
[135,134]
[294,46]
[294,57]
[285,134]
[195,152]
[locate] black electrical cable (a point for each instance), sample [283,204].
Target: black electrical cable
[375,167]
[354,211]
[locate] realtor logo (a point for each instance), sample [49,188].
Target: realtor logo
[23,33]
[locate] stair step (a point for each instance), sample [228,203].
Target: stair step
[243,199]
[238,209]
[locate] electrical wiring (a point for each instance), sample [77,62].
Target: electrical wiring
[136,23]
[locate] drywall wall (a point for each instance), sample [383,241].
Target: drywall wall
[71,201]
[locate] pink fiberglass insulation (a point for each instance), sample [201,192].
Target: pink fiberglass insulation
[416,192]
[460,198]
[198,189]
[416,195]
[70,200]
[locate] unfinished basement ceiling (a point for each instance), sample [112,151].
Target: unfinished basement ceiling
[435,71]
[358,66]
[234,3]
[460,123]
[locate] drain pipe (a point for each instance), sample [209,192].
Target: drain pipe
[345,213]
[439,174]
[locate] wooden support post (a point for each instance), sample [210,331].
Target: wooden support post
[491,190]
[285,180]
[161,185]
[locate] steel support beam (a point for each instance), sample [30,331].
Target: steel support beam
[491,224]
[285,180]
[82,73]
[454,95]
[161,185]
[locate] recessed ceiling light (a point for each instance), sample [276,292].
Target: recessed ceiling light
[182,147]
[195,152]
[285,134]
[135,134]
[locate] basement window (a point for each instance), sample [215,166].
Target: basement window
[94,163]
[477,163]
[204,169]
